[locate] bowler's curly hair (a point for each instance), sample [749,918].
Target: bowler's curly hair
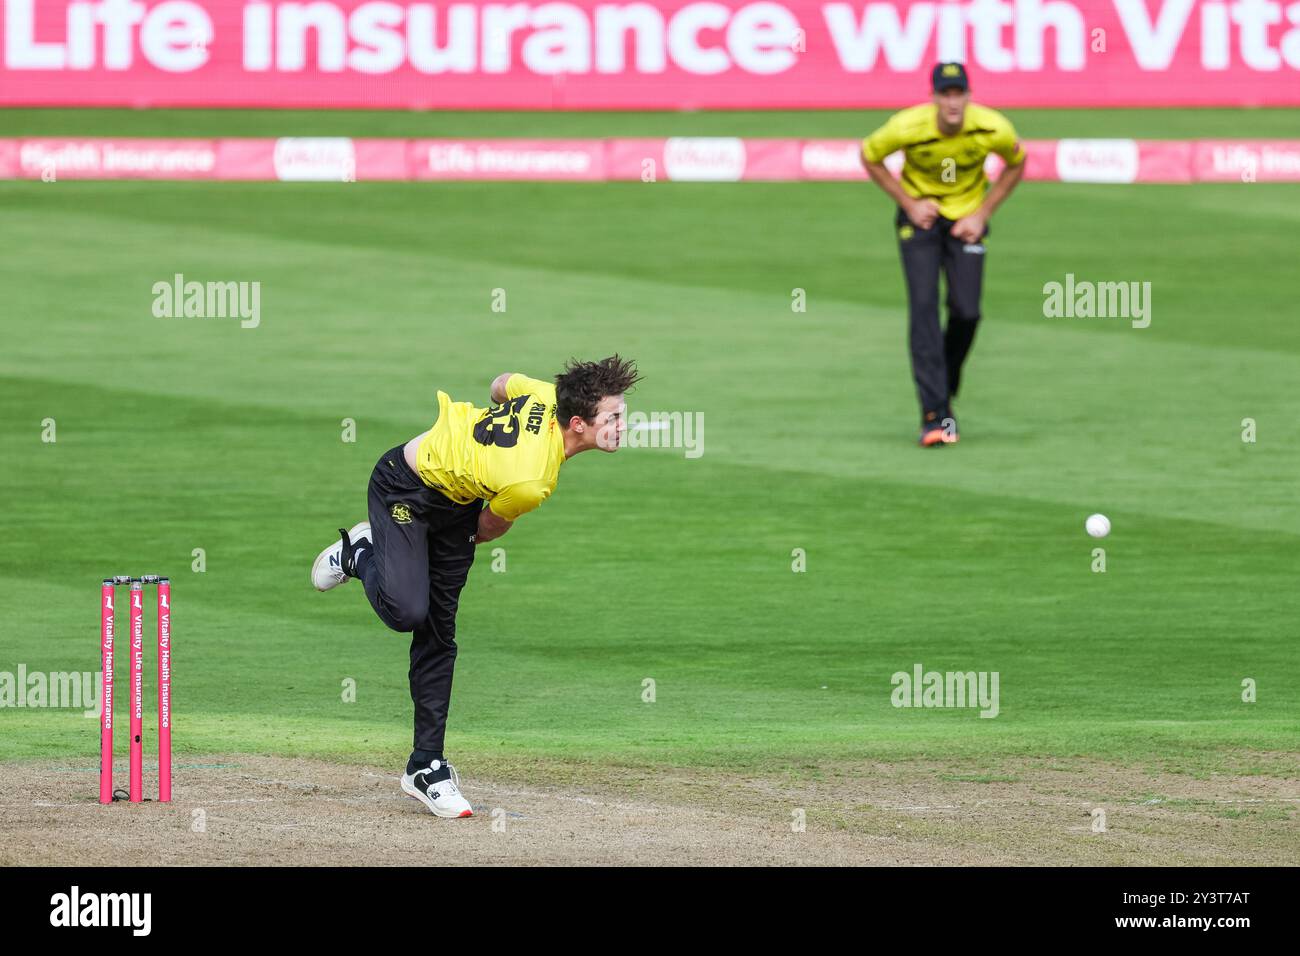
[582,385]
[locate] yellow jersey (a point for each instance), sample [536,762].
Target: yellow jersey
[509,454]
[947,169]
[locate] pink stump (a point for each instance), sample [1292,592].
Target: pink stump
[106,693]
[164,690]
[137,692]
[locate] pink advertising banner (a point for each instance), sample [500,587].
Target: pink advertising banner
[696,159]
[509,159]
[91,158]
[1276,161]
[644,54]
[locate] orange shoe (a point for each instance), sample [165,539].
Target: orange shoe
[938,430]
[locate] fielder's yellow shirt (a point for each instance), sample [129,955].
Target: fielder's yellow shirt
[928,154]
[509,454]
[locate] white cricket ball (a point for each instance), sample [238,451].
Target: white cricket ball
[1097,525]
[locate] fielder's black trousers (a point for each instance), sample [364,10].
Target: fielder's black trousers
[938,353]
[423,549]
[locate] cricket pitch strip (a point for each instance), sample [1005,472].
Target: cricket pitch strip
[254,810]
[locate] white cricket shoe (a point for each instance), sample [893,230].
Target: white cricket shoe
[442,797]
[336,564]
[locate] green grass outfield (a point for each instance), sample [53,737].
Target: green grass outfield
[177,434]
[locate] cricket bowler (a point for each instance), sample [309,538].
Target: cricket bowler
[426,515]
[944,206]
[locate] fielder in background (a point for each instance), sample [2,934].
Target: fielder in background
[944,205]
[426,515]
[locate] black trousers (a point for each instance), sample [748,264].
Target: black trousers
[938,353]
[423,549]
